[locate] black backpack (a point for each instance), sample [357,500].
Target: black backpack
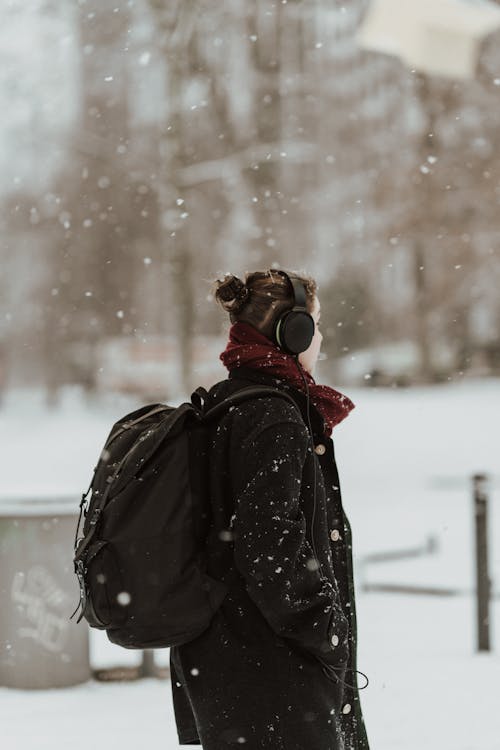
[141,562]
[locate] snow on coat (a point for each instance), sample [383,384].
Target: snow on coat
[264,674]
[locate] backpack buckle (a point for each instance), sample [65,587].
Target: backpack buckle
[80,570]
[95,516]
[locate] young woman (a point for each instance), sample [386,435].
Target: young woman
[277,666]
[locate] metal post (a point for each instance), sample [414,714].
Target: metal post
[147,668]
[483,583]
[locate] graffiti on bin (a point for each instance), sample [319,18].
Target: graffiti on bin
[37,594]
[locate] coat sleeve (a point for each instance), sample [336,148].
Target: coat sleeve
[271,550]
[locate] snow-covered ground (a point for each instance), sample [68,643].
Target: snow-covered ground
[428,690]
[405,459]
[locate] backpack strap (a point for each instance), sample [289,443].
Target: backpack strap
[242,395]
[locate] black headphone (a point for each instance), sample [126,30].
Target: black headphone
[293,330]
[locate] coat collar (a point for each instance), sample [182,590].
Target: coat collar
[265,378]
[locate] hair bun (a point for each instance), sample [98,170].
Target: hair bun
[232,291]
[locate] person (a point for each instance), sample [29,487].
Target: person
[276,668]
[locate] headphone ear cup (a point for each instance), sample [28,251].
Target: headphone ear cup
[294,331]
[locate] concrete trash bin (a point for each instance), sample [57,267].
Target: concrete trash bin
[40,647]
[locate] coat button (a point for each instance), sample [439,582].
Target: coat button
[319,449]
[334,535]
[346,708]
[335,640]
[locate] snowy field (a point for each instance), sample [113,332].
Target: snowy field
[428,690]
[405,460]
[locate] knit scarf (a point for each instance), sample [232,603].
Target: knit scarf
[248,347]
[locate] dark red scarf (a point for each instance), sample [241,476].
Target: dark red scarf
[248,347]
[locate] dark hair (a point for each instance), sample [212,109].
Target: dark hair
[261,298]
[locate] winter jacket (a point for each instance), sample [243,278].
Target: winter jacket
[265,672]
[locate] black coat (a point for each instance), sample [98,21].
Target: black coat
[258,676]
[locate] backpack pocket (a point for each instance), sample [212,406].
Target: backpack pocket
[105,601]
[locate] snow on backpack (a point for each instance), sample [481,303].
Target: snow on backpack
[141,562]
